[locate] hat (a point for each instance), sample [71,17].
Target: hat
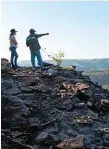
[13,31]
[32,31]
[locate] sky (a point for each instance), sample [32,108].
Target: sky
[81,29]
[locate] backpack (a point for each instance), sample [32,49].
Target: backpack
[31,40]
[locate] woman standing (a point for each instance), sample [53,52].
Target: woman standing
[13,46]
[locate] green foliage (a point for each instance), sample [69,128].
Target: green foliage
[106,86]
[57,57]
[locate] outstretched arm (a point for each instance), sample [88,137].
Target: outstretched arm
[40,35]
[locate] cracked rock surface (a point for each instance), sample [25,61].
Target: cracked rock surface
[42,111]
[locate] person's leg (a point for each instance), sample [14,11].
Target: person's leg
[33,60]
[16,57]
[39,58]
[12,49]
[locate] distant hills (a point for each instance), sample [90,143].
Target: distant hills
[82,64]
[99,76]
[96,69]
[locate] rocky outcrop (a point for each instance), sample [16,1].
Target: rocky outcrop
[56,109]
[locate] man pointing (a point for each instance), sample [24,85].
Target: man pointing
[33,43]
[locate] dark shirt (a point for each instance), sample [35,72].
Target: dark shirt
[36,45]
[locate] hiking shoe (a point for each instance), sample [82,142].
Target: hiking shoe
[33,69]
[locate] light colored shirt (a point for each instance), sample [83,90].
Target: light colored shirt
[13,42]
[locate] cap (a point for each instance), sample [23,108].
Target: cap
[13,31]
[32,31]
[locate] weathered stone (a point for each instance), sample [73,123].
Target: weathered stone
[66,105]
[77,143]
[9,88]
[89,103]
[75,100]
[84,120]
[104,130]
[92,115]
[44,110]
[80,105]
[54,138]
[106,139]
[26,90]
[19,145]
[105,104]
[42,137]
[28,98]
[14,109]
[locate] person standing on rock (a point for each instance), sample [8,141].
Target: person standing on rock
[13,46]
[33,43]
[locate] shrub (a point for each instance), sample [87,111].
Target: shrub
[57,57]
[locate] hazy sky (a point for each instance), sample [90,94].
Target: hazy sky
[81,29]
